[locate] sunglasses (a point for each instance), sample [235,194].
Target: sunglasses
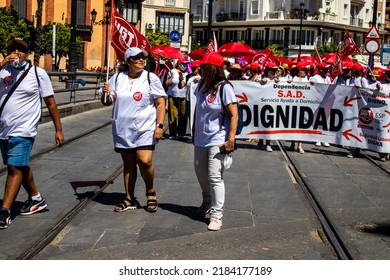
[138,57]
[20,48]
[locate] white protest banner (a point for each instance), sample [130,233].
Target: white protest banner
[340,115]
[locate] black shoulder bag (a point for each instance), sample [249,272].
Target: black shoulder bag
[11,91]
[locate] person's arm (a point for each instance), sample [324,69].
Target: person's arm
[55,116]
[169,81]
[160,115]
[182,83]
[232,112]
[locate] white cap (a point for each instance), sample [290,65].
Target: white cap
[133,51]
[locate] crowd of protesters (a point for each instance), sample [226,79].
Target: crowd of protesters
[351,73]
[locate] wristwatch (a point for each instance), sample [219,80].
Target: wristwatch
[160,125]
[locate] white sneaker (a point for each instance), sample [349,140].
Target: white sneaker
[325,144]
[215,223]
[300,150]
[268,148]
[318,144]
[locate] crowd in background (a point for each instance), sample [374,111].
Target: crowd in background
[352,74]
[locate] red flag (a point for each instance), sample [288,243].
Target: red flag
[212,45]
[262,59]
[124,35]
[349,45]
[337,67]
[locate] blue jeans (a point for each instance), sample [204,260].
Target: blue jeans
[16,150]
[208,163]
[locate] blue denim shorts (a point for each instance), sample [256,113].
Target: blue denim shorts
[16,150]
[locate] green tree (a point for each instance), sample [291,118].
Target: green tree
[11,26]
[324,49]
[274,49]
[62,41]
[157,38]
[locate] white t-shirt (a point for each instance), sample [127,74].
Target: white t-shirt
[212,125]
[319,79]
[134,112]
[22,111]
[300,79]
[174,89]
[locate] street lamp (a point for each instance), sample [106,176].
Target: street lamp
[106,22]
[301,12]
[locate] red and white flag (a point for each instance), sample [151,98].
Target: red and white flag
[212,45]
[124,35]
[349,45]
[338,64]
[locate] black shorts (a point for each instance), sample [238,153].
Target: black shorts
[133,150]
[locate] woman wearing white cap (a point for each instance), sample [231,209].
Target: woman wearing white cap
[214,129]
[137,124]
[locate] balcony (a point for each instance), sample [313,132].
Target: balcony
[222,17]
[197,18]
[356,22]
[235,16]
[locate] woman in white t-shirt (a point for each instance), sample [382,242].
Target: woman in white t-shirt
[137,124]
[214,128]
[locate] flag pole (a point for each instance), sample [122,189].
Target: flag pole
[108,51]
[108,61]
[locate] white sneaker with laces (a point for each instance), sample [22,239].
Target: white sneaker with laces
[325,144]
[215,223]
[268,148]
[318,144]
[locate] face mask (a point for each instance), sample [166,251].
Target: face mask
[183,68]
[16,64]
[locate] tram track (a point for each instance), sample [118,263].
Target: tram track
[375,162]
[328,227]
[67,218]
[45,151]
[49,236]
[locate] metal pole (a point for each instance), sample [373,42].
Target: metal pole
[374,12]
[209,20]
[300,30]
[72,43]
[105,51]
[53,60]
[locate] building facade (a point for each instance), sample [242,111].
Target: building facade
[260,23]
[92,21]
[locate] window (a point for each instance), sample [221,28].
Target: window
[307,39]
[169,2]
[345,11]
[254,7]
[131,11]
[231,36]
[80,19]
[241,35]
[276,36]
[367,15]
[170,21]
[20,7]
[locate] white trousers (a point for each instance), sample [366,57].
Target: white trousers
[208,163]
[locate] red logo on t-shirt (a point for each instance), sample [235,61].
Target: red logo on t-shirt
[137,96]
[8,80]
[211,98]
